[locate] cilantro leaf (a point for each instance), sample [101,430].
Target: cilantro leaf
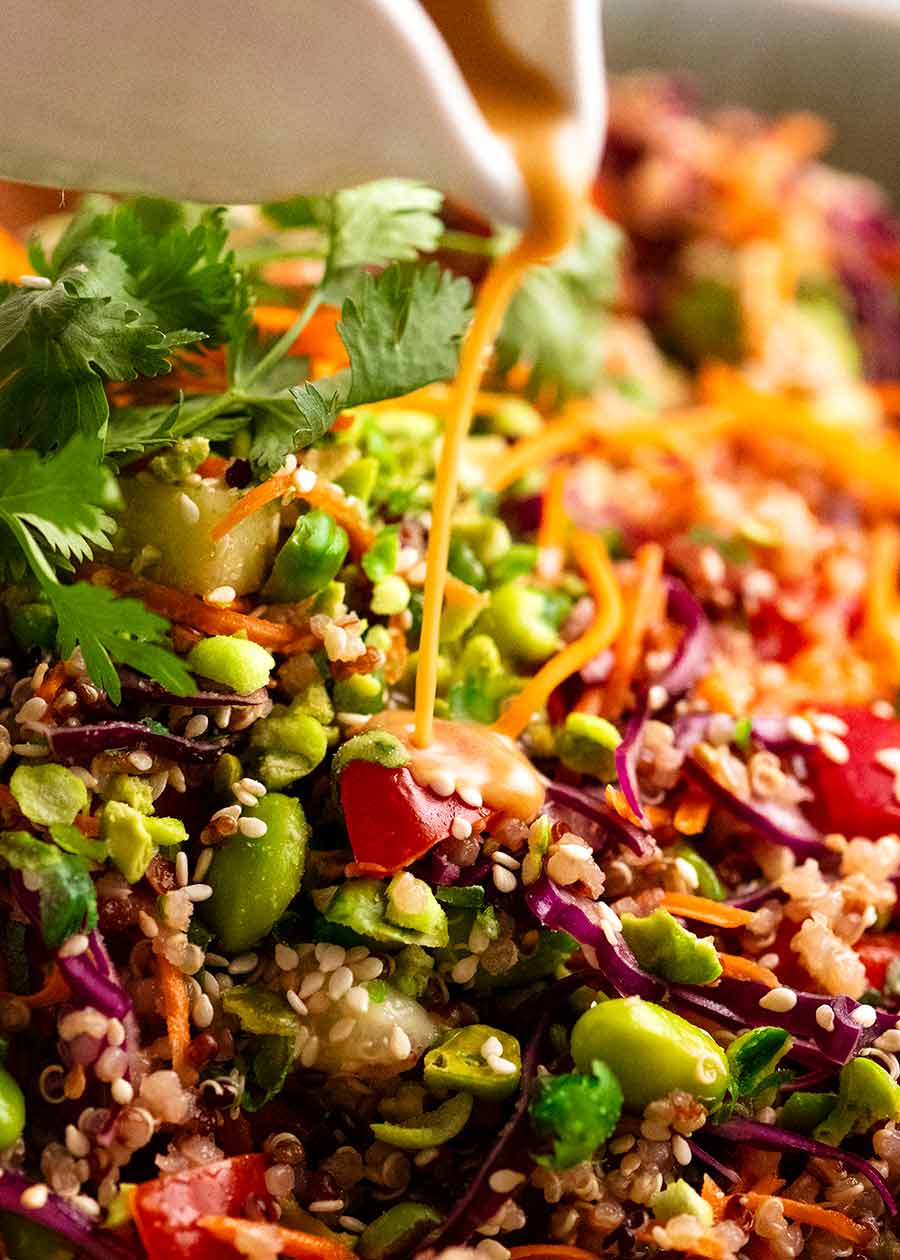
[385,221]
[402,330]
[66,892]
[554,323]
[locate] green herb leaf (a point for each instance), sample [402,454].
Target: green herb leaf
[67,898]
[270,1068]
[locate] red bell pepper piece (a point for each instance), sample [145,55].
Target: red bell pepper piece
[166,1211]
[392,820]
[876,952]
[856,797]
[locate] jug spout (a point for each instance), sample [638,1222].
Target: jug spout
[243,103]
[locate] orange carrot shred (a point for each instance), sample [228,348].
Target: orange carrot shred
[87,824]
[642,606]
[53,683]
[716,1198]
[463,595]
[560,436]
[831,1221]
[177,1012]
[13,257]
[740,968]
[53,991]
[549,1251]
[319,339]
[271,1238]
[691,814]
[590,552]
[552,532]
[716,913]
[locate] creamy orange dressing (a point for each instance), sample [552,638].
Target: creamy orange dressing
[481,765]
[524,108]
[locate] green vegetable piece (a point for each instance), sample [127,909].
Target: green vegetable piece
[803,1111]
[12,1109]
[397,1232]
[389,596]
[270,1068]
[518,621]
[464,564]
[227,772]
[25,1239]
[360,693]
[309,559]
[95,852]
[486,536]
[289,744]
[703,322]
[708,883]
[380,561]
[65,888]
[259,1010]
[432,1128]
[651,1051]
[314,700]
[360,478]
[467,898]
[32,625]
[552,951]
[516,418]
[680,1199]
[413,967]
[753,1058]
[236,663]
[458,1063]
[580,1112]
[663,946]
[587,744]
[362,905]
[48,794]
[177,463]
[133,790]
[412,904]
[866,1095]
[254,879]
[119,1212]
[132,838]
[520,560]
[378,746]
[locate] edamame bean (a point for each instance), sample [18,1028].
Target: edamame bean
[651,1050]
[236,663]
[397,1231]
[12,1109]
[518,620]
[309,559]
[458,1063]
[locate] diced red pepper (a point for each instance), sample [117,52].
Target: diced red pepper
[876,952]
[775,638]
[392,820]
[167,1210]
[856,797]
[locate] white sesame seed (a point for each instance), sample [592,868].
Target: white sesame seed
[657,697]
[32,710]
[35,282]
[290,462]
[511,864]
[800,729]
[889,1041]
[399,1043]
[311,983]
[147,924]
[319,1002]
[295,1002]
[122,1091]
[74,946]
[222,715]
[216,960]
[115,1032]
[687,872]
[30,750]
[190,513]
[491,1045]
[252,828]
[76,1142]
[326,1205]
[490,1249]
[330,956]
[505,1180]
[888,759]
[310,1052]
[470,794]
[779,999]
[227,811]
[357,1000]
[442,783]
[221,596]
[35,1197]
[504,880]
[422,1159]
[141,761]
[368,968]
[84,1203]
[202,1011]
[465,969]
[286,959]
[196,726]
[460,828]
[341,1029]
[244,797]
[243,964]
[305,479]
[864,1015]
[503,1067]
[831,723]
[681,1150]
[112,1064]
[351,1224]
[204,862]
[198,892]
[181,868]
[340,982]
[834,749]
[825,1017]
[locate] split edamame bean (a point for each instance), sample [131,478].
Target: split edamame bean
[458,1063]
[309,559]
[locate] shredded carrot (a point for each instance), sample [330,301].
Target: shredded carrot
[591,554]
[716,913]
[715,691]
[561,436]
[260,1236]
[770,1183]
[322,494]
[552,531]
[177,1012]
[746,969]
[463,595]
[881,616]
[550,1251]
[703,1245]
[188,610]
[213,466]
[53,682]
[13,257]
[814,1214]
[53,991]
[888,394]
[87,824]
[320,338]
[643,605]
[716,1198]
[692,814]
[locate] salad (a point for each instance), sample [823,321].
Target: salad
[627,981]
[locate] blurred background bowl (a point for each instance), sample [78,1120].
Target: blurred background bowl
[840,58]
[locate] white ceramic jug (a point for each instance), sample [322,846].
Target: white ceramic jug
[251,100]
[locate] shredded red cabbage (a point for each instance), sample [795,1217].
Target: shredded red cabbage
[136,687]
[62,1218]
[626,758]
[759,897]
[726,1173]
[773,1138]
[595,810]
[90,988]
[80,743]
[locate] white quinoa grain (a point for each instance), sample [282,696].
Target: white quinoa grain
[504,880]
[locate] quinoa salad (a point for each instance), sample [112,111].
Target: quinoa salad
[612,968]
